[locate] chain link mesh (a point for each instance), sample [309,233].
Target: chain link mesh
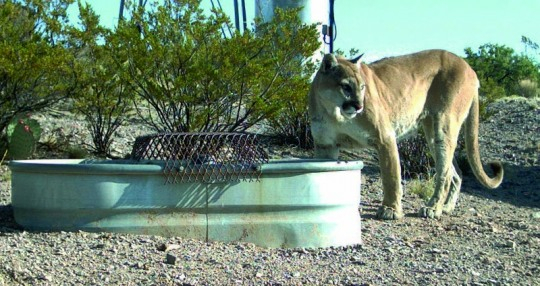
[203,157]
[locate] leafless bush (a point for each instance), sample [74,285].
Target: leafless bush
[415,158]
[292,126]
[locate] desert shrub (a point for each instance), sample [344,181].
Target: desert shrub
[35,67]
[417,166]
[415,157]
[102,97]
[76,152]
[422,187]
[292,125]
[500,69]
[195,79]
[490,92]
[528,88]
[59,143]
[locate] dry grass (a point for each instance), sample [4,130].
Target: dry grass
[423,188]
[528,88]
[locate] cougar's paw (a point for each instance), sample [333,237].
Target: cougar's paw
[388,213]
[429,212]
[448,208]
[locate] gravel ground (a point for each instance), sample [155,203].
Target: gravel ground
[493,237]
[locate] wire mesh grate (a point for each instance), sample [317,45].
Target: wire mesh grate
[203,157]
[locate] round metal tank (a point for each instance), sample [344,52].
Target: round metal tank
[295,203]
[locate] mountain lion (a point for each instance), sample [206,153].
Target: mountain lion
[354,105]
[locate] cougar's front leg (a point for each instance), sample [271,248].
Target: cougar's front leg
[330,151]
[391,179]
[324,141]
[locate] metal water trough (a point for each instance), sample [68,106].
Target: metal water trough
[282,203]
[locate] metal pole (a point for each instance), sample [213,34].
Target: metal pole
[236,16]
[244,14]
[121,13]
[331,27]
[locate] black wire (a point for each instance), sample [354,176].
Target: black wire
[332,28]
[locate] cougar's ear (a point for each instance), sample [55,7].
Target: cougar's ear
[328,62]
[355,60]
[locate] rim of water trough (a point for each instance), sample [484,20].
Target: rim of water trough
[84,166]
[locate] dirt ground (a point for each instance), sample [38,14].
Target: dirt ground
[492,238]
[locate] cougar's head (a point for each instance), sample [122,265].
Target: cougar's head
[339,88]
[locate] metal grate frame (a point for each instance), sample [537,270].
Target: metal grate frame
[203,157]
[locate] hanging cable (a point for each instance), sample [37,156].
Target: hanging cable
[330,33]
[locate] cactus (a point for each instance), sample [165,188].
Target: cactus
[23,133]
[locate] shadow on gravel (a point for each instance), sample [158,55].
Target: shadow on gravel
[7,221]
[520,187]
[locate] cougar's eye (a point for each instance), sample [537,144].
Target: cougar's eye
[346,88]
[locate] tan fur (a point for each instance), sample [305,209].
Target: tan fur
[358,105]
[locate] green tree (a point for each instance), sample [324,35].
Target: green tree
[195,79]
[500,69]
[36,70]
[102,97]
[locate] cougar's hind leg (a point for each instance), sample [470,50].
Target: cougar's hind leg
[444,143]
[455,187]
[429,134]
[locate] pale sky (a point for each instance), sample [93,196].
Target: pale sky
[382,28]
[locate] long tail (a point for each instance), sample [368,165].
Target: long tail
[473,152]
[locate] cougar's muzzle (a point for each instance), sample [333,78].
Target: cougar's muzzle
[351,108]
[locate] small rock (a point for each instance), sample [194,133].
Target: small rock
[535,215]
[140,265]
[45,277]
[167,247]
[172,247]
[99,246]
[488,260]
[473,211]
[389,250]
[357,261]
[435,251]
[302,251]
[170,259]
[511,244]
